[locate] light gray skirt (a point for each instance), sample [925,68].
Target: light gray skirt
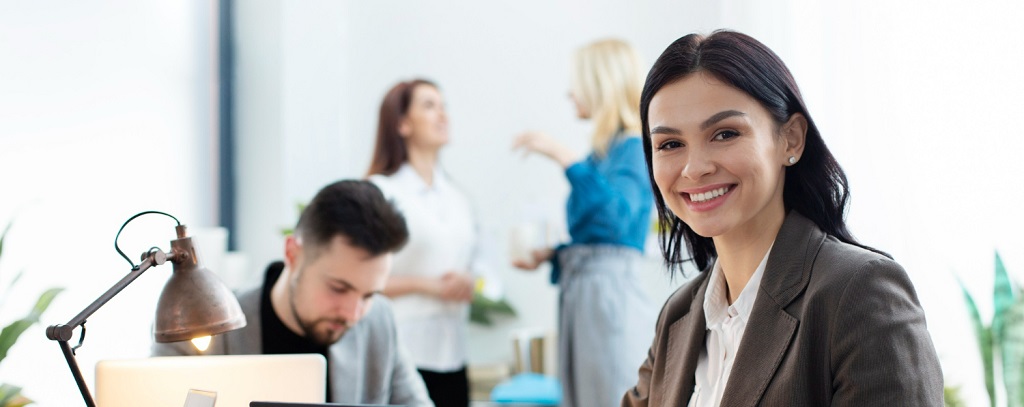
[606,323]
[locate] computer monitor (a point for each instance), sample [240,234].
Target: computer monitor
[237,380]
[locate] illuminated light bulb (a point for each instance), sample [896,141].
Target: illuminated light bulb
[201,343]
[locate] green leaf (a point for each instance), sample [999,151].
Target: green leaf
[44,302]
[503,307]
[9,335]
[984,336]
[1012,352]
[951,396]
[286,231]
[3,236]
[1002,298]
[477,315]
[8,393]
[481,309]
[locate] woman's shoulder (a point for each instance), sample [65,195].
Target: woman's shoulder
[850,257]
[383,183]
[626,150]
[840,266]
[626,141]
[379,179]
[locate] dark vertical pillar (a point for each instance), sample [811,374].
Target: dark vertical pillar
[226,130]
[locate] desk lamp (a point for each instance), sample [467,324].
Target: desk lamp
[194,302]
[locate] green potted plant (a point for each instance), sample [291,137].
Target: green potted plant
[483,309]
[10,395]
[1002,342]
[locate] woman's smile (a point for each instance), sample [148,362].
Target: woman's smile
[706,198]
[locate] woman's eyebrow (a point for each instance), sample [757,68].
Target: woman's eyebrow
[717,117]
[666,130]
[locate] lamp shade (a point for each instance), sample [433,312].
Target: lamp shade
[194,302]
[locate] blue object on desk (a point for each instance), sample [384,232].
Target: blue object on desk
[528,388]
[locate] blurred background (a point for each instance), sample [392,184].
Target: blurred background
[228,114]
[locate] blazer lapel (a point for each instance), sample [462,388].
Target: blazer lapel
[685,341]
[770,328]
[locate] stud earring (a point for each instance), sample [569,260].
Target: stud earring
[792,160]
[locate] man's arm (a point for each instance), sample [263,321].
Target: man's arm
[407,386]
[396,370]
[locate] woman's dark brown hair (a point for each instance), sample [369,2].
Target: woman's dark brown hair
[816,187]
[390,151]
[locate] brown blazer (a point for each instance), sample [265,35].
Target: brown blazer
[833,324]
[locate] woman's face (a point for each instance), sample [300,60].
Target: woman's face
[581,110]
[425,124]
[718,156]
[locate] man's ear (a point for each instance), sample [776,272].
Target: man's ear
[794,135]
[292,251]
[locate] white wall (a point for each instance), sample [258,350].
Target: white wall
[105,111]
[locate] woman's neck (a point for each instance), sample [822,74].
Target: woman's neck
[740,252]
[423,161]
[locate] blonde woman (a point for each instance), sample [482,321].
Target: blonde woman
[604,315]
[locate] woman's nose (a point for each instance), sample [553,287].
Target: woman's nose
[698,164]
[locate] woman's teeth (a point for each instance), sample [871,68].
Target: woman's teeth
[704,196]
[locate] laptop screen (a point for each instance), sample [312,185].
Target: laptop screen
[236,380]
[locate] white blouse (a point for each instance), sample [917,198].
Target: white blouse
[726,324]
[442,238]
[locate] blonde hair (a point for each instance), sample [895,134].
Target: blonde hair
[607,78]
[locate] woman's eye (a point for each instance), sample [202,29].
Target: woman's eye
[725,135]
[668,145]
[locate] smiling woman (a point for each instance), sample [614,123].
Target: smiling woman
[745,179]
[727,150]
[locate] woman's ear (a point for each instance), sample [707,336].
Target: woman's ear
[794,134]
[404,128]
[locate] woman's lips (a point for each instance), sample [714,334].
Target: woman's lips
[707,198]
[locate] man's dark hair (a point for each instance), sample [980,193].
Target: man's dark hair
[356,210]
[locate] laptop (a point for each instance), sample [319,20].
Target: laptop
[237,380]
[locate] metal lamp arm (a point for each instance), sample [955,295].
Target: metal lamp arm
[63,333]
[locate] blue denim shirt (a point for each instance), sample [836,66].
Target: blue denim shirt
[611,198]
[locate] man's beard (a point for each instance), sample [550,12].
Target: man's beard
[326,336]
